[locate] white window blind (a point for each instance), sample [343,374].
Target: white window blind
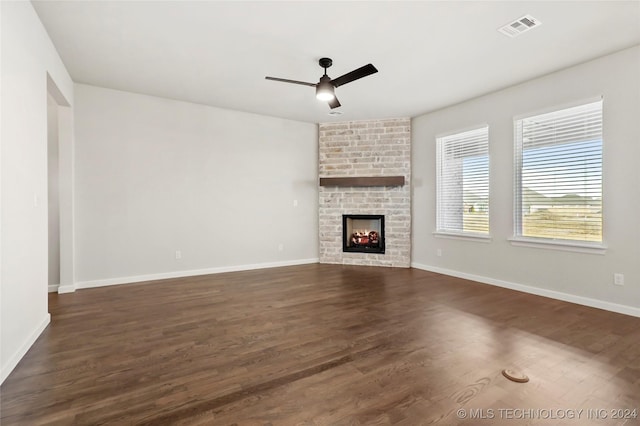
[559,174]
[463,182]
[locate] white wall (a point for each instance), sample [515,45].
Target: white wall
[27,56]
[155,175]
[580,277]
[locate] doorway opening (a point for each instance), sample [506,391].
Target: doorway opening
[53,193]
[59,190]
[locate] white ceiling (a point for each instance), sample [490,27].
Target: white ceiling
[429,54]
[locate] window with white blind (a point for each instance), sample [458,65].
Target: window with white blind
[558,161]
[463,183]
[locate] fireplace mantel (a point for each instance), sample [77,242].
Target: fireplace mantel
[363,181]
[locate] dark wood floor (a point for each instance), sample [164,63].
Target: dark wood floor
[324,345]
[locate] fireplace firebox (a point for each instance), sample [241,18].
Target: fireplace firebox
[363,233]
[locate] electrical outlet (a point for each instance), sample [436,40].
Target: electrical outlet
[295,203]
[178,254]
[280,247]
[439,252]
[618,279]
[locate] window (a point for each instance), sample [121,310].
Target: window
[463,182]
[558,160]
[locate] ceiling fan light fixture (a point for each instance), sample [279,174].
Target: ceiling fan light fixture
[325,90]
[325,96]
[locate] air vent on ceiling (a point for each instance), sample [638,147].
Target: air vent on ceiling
[519,26]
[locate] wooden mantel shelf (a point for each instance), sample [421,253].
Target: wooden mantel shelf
[363,181]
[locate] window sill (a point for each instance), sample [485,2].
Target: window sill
[577,247]
[479,238]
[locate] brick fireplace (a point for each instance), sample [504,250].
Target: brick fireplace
[367,150]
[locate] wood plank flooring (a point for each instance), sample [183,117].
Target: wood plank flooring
[324,345]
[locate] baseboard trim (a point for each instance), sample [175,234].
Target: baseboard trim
[13,361]
[53,288]
[69,288]
[189,273]
[566,297]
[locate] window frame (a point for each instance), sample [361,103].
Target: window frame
[517,239]
[461,234]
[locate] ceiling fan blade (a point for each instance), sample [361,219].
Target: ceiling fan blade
[334,103]
[284,80]
[354,75]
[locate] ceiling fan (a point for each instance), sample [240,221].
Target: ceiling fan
[325,88]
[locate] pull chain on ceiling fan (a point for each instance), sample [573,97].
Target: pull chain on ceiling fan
[325,88]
